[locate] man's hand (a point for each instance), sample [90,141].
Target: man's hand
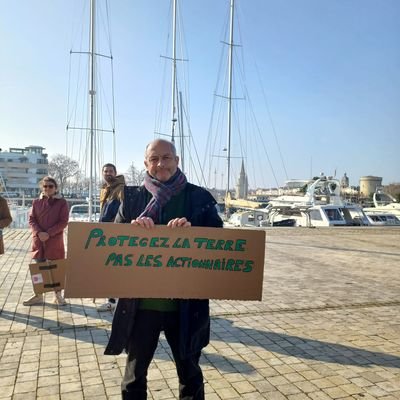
[144,222]
[179,222]
[43,236]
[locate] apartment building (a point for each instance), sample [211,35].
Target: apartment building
[21,169]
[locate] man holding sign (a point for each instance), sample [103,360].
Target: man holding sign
[165,198]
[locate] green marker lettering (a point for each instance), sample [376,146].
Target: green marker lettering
[248,266]
[200,242]
[133,241]
[122,239]
[153,242]
[143,242]
[238,264]
[230,264]
[239,245]
[128,260]
[228,245]
[210,244]
[94,234]
[164,242]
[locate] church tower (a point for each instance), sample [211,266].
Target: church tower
[344,183]
[242,186]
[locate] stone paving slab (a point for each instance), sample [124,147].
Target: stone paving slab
[328,328]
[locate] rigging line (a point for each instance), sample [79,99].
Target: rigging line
[219,120]
[69,111]
[68,94]
[184,50]
[113,112]
[74,32]
[209,135]
[74,113]
[258,156]
[262,88]
[266,103]
[102,92]
[241,74]
[101,23]
[262,141]
[236,118]
[208,157]
[223,34]
[247,95]
[195,150]
[160,107]
[271,120]
[112,83]
[108,13]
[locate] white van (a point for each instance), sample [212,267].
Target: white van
[80,212]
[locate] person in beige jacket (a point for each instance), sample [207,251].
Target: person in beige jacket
[5,220]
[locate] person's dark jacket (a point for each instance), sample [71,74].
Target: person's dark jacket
[194,333]
[110,199]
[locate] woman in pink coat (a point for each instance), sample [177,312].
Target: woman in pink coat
[48,218]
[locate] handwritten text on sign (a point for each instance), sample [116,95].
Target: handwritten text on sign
[97,238]
[120,260]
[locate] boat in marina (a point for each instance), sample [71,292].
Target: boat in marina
[257,218]
[80,213]
[383,203]
[382,219]
[321,215]
[20,215]
[320,206]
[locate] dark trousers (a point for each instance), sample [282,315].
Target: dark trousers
[143,344]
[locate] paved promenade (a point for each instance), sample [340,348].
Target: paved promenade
[328,328]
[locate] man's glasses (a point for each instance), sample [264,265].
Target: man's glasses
[48,186]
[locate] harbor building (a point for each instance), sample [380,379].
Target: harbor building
[21,169]
[369,184]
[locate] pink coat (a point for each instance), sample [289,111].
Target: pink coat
[48,215]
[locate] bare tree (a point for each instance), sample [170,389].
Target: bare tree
[134,176]
[61,168]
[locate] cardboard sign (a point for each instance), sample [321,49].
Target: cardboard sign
[124,261]
[48,276]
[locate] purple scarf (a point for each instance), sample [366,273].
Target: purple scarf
[162,193]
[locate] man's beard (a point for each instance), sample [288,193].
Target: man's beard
[109,178]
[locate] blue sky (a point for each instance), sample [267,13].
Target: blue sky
[329,71]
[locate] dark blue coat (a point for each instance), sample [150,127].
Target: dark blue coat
[194,325]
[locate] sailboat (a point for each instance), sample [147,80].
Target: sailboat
[179,131]
[91,140]
[243,143]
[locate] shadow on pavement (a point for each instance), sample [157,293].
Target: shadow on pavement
[299,347]
[222,330]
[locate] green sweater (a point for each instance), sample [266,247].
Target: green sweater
[174,208]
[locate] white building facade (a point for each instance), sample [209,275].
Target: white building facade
[21,169]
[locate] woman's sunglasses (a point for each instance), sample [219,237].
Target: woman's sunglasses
[48,186]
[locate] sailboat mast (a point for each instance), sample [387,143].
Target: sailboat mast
[182,138]
[173,88]
[230,76]
[92,94]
